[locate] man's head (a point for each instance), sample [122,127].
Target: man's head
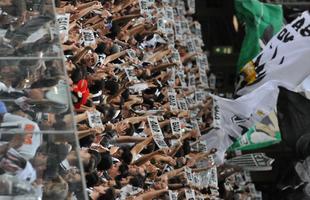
[137,181]
[73,176]
[124,154]
[90,59]
[102,193]
[111,87]
[92,179]
[40,161]
[118,169]
[136,170]
[105,162]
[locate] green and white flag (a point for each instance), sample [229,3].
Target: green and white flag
[262,21]
[261,135]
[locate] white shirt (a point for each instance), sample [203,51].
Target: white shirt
[28,149]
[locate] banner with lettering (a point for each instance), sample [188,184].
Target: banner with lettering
[284,59]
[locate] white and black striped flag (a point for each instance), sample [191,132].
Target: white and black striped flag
[285,58]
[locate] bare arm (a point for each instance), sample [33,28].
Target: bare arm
[139,147]
[114,57]
[129,139]
[151,194]
[146,158]
[80,117]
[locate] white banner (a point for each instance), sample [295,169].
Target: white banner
[182,104]
[173,195]
[190,194]
[156,132]
[285,58]
[181,75]
[63,25]
[175,125]
[172,96]
[88,37]
[94,119]
[146,6]
[131,74]
[171,81]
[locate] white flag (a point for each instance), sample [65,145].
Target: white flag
[234,117]
[285,58]
[216,138]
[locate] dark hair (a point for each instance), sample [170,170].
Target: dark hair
[107,111]
[114,49]
[95,154]
[93,161]
[160,97]
[149,37]
[123,170]
[89,166]
[149,148]
[100,48]
[52,168]
[180,153]
[96,86]
[103,1]
[109,194]
[87,141]
[137,181]
[114,31]
[89,103]
[92,179]
[131,130]
[77,74]
[76,187]
[186,147]
[126,155]
[105,162]
[101,108]
[111,86]
[109,114]
[138,38]
[126,94]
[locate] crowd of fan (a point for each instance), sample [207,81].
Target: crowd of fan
[138,78]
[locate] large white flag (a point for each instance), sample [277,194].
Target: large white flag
[234,117]
[217,139]
[286,58]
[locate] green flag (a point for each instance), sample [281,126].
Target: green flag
[262,21]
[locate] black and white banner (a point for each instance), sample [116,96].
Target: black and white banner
[156,132]
[94,119]
[175,125]
[63,25]
[190,194]
[182,104]
[173,195]
[131,74]
[284,59]
[173,103]
[88,37]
